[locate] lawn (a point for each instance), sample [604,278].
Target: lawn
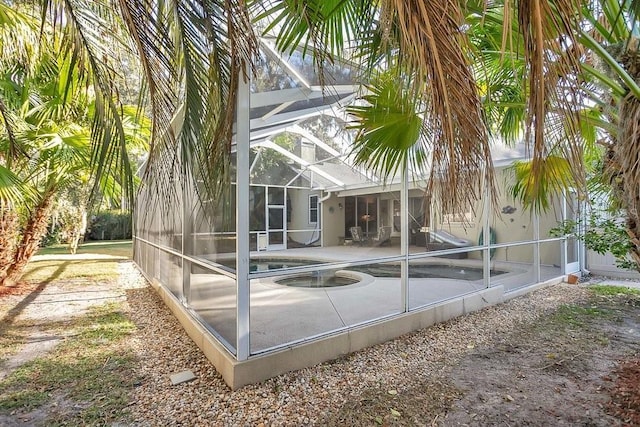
[120,248]
[95,261]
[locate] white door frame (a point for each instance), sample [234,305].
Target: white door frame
[572,245]
[270,229]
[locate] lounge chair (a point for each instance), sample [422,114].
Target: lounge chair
[357,236]
[383,237]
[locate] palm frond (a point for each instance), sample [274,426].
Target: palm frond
[13,190]
[193,55]
[432,50]
[18,37]
[91,34]
[14,148]
[548,30]
[323,28]
[537,188]
[388,128]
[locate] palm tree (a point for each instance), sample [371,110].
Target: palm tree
[615,69]
[608,93]
[59,119]
[422,54]
[534,76]
[53,148]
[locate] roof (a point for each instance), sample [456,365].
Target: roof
[298,129]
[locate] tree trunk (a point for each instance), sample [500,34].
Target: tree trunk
[34,231]
[77,235]
[627,152]
[9,225]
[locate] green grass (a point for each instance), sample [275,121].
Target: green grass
[25,399]
[119,248]
[576,315]
[90,270]
[93,270]
[605,290]
[92,371]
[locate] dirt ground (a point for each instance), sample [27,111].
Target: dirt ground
[580,365]
[560,371]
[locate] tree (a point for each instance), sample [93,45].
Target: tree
[424,55]
[59,122]
[194,52]
[608,105]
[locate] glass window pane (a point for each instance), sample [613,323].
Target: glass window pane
[517,261]
[512,223]
[276,196]
[293,307]
[214,235]
[550,260]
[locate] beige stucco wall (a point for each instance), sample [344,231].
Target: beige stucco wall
[513,227]
[510,227]
[332,221]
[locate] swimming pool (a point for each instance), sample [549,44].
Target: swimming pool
[390,270]
[426,271]
[266,264]
[324,279]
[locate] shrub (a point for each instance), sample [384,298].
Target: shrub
[110,225]
[601,234]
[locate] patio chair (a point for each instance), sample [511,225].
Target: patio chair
[383,237]
[357,236]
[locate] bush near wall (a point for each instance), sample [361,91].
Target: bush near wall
[110,225]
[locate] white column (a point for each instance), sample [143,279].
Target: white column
[242,220]
[404,238]
[486,236]
[536,247]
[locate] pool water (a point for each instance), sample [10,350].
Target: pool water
[426,271]
[328,279]
[316,280]
[416,271]
[266,264]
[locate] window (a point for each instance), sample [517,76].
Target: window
[313,209]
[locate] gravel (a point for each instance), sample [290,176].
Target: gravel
[309,396]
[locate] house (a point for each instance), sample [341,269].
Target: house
[311,258]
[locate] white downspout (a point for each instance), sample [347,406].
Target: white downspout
[325,198]
[319,223]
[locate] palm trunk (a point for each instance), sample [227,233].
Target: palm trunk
[33,233]
[79,230]
[628,155]
[8,236]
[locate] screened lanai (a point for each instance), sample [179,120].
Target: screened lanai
[308,248]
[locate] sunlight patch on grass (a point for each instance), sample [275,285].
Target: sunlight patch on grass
[93,270]
[119,248]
